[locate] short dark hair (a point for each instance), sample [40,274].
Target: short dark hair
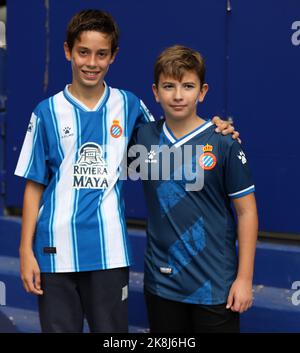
[92,20]
[175,60]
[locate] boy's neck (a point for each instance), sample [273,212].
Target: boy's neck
[89,96]
[183,127]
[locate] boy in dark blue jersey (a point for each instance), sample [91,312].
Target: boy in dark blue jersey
[194,280]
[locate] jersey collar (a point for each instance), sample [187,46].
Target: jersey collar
[178,142]
[73,100]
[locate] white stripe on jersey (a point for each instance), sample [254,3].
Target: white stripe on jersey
[115,149]
[76,199]
[242,191]
[65,195]
[169,136]
[146,111]
[26,153]
[193,134]
[112,227]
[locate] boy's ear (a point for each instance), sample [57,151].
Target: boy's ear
[113,57]
[203,92]
[155,92]
[68,54]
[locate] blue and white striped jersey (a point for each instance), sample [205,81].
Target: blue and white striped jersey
[77,154]
[190,254]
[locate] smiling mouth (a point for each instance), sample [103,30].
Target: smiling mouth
[91,73]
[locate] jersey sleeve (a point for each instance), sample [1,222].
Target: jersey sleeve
[238,178]
[32,163]
[144,117]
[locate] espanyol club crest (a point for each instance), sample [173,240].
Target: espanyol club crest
[207,160]
[116,129]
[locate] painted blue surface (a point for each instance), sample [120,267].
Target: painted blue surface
[3,78]
[10,232]
[263,96]
[133,69]
[273,309]
[252,70]
[253,56]
[2,162]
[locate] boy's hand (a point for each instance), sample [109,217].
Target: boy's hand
[240,296]
[30,273]
[225,128]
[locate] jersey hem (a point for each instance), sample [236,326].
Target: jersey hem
[86,268]
[184,300]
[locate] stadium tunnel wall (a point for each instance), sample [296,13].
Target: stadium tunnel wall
[252,69]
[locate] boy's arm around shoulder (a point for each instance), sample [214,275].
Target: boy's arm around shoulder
[29,269]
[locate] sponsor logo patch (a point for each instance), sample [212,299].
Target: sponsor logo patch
[124,293]
[166,270]
[90,171]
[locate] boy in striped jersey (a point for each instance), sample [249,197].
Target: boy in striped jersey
[74,250]
[73,203]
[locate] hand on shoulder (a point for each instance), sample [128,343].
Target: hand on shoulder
[225,127]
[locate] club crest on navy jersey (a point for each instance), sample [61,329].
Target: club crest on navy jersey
[116,129]
[90,170]
[207,160]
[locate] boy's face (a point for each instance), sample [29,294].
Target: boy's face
[179,98]
[90,58]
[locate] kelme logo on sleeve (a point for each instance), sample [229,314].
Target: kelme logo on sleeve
[90,171]
[30,126]
[242,157]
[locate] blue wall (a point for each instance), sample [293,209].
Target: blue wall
[263,98]
[252,67]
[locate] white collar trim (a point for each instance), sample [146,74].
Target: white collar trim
[83,105]
[188,137]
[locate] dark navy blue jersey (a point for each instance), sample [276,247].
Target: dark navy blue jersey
[190,254]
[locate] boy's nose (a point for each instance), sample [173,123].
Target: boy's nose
[178,94]
[92,61]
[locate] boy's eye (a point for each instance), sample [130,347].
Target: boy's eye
[103,54]
[168,86]
[189,86]
[82,52]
